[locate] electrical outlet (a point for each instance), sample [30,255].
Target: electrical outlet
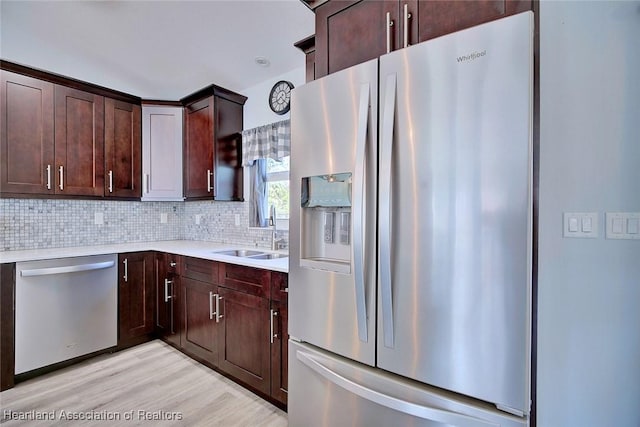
[98,218]
[164,217]
[237,218]
[198,219]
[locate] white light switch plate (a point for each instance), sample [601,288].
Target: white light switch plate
[163,218]
[580,224]
[623,225]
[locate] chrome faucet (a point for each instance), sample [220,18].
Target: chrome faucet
[275,244]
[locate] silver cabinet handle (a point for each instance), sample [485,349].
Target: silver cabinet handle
[400,403]
[389,25]
[167,297]
[209,175]
[211,312]
[172,264]
[48,177]
[384,213]
[273,335]
[145,184]
[359,219]
[110,181]
[126,270]
[66,269]
[61,172]
[407,16]
[218,315]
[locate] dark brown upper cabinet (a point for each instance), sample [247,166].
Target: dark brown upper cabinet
[57,133]
[352,32]
[212,153]
[26,141]
[122,149]
[79,142]
[308,46]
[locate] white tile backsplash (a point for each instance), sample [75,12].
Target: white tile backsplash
[48,223]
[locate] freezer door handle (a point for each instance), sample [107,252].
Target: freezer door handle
[391,402]
[359,213]
[386,152]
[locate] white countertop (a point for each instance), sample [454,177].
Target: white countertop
[192,248]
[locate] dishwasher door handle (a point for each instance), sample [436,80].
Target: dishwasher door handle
[67,269]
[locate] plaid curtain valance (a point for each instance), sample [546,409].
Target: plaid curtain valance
[269,141]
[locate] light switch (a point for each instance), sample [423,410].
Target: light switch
[623,225]
[573,224]
[163,218]
[616,226]
[580,224]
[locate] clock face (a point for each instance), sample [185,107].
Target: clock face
[280,97]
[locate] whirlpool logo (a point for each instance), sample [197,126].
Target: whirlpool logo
[472,56]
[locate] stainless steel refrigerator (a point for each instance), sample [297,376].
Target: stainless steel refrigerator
[410,236]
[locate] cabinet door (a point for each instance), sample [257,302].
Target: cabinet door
[199,335]
[198,149]
[349,33]
[167,298]
[26,141]
[7,325]
[244,339]
[79,142]
[135,295]
[439,17]
[279,354]
[161,153]
[122,149]
[228,173]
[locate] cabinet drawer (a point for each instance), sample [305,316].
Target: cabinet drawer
[200,269]
[254,281]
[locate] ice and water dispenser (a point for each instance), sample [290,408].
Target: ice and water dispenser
[325,223]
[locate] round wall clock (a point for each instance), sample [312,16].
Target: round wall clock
[280,97]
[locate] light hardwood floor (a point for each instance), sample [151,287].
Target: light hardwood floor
[152,380]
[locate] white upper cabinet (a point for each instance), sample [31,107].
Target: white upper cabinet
[161,153]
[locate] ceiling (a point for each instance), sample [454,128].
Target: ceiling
[157,49]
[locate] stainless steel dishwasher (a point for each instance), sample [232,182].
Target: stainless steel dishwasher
[65,308]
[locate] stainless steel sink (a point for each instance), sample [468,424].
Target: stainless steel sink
[244,253]
[268,256]
[239,252]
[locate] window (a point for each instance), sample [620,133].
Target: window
[269,186]
[278,187]
[269,178]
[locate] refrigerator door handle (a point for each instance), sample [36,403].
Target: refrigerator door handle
[392,402]
[359,212]
[386,151]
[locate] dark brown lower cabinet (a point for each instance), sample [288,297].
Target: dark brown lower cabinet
[244,338]
[279,352]
[168,307]
[135,297]
[7,331]
[199,334]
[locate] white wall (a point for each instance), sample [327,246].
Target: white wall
[256,109]
[589,289]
